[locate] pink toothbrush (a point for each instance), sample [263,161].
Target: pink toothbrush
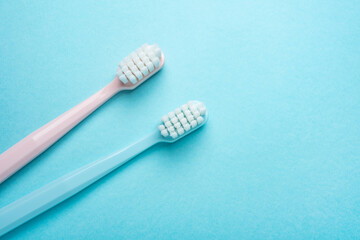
[135,69]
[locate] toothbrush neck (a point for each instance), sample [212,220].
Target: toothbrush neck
[140,146]
[109,90]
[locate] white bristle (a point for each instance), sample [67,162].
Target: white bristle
[190,118]
[193,123]
[141,55]
[177,125]
[136,59]
[140,65]
[165,118]
[128,73]
[173,135]
[130,64]
[174,120]
[171,114]
[183,121]
[151,55]
[202,110]
[134,69]
[132,79]
[177,111]
[161,127]
[165,133]
[180,115]
[145,59]
[193,108]
[149,65]
[148,51]
[187,127]
[196,114]
[184,107]
[157,52]
[180,131]
[145,46]
[123,78]
[138,50]
[171,129]
[168,124]
[138,75]
[144,71]
[187,113]
[200,120]
[155,61]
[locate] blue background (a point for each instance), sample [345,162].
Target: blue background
[278,159]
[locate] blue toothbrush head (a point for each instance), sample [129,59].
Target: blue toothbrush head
[183,120]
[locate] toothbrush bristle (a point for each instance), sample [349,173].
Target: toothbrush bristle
[139,64]
[182,119]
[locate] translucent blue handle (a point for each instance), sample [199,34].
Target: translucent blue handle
[31,205]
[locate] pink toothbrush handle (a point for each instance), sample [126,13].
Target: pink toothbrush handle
[34,144]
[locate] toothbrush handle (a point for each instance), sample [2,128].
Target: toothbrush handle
[33,204]
[34,144]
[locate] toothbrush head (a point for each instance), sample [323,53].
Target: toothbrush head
[183,120]
[140,65]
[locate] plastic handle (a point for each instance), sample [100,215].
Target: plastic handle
[33,204]
[34,144]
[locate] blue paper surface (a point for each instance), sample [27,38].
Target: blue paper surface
[279,157]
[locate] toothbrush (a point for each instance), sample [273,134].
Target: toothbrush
[175,125]
[135,69]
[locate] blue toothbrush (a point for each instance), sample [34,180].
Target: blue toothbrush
[174,126]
